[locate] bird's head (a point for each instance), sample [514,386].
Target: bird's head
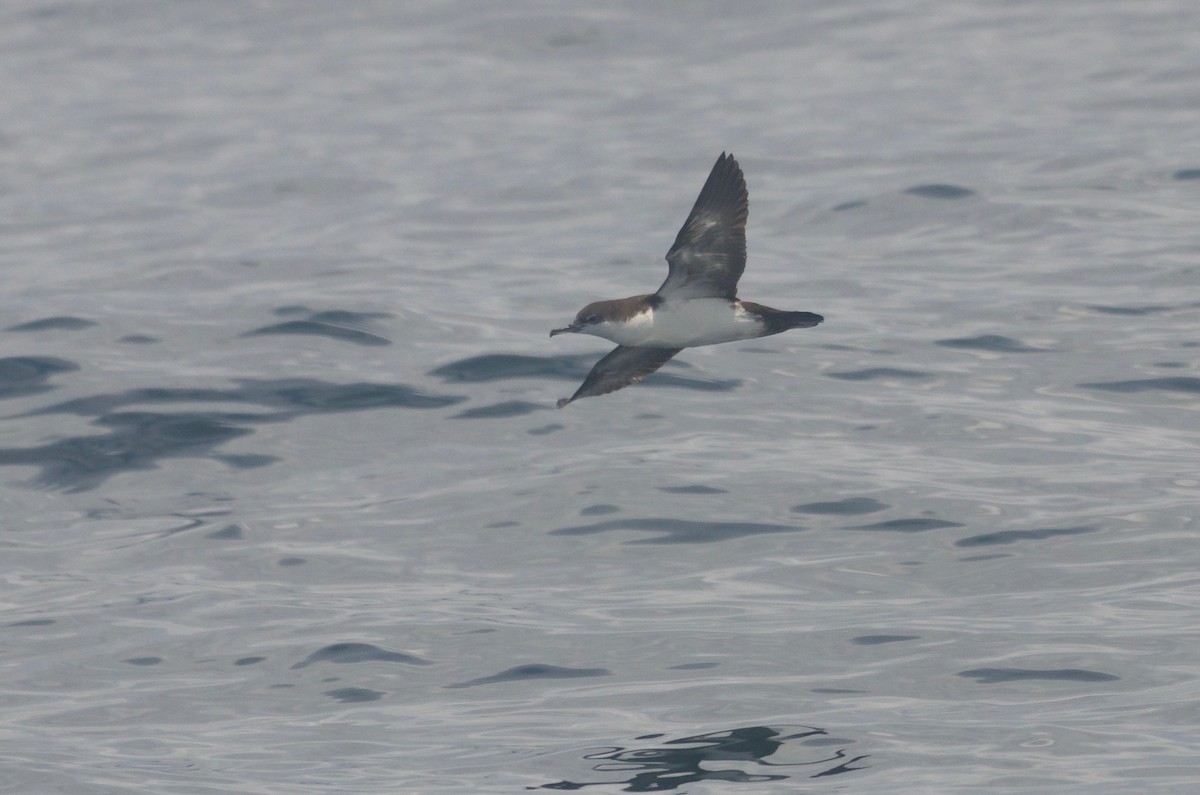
[589,320]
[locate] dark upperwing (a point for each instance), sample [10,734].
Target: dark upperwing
[709,254]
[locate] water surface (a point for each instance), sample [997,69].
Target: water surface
[287,504]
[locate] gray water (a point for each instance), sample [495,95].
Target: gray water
[286,504]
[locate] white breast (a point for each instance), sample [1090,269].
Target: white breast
[685,324]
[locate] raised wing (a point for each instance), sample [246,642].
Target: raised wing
[625,365]
[709,254]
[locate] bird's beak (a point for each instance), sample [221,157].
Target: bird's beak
[574,327]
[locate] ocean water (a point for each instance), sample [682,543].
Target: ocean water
[285,503]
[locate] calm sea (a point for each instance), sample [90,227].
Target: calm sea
[285,504]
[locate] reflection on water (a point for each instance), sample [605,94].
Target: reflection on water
[939,191]
[678,531]
[64,323]
[138,440]
[746,755]
[993,676]
[566,367]
[341,325]
[1185,384]
[356,653]
[534,671]
[29,375]
[504,409]
[1013,536]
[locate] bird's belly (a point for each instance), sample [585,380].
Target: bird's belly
[686,324]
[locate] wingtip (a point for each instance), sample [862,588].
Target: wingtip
[562,402]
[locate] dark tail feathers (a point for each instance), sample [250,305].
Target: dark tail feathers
[777,320]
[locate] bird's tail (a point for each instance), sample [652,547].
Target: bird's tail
[798,320]
[777,320]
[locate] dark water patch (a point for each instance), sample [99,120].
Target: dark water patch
[210,496]
[318,396]
[356,336]
[853,204]
[295,397]
[354,695]
[291,561]
[907,525]
[568,367]
[64,323]
[509,408]
[28,375]
[230,532]
[1130,310]
[358,653]
[508,366]
[138,339]
[678,531]
[599,510]
[33,622]
[345,317]
[534,671]
[837,690]
[501,525]
[877,373]
[136,442]
[939,191]
[143,660]
[246,460]
[852,506]
[745,755]
[545,429]
[248,660]
[700,666]
[992,676]
[1015,536]
[1171,365]
[339,324]
[875,640]
[1185,174]
[995,343]
[696,489]
[1181,383]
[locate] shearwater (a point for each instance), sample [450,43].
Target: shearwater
[696,305]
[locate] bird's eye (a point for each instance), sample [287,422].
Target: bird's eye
[592,319]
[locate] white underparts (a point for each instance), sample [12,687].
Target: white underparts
[684,324]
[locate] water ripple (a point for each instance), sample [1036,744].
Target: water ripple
[137,440]
[746,755]
[65,323]
[341,325]
[533,671]
[29,375]
[679,531]
[992,676]
[343,653]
